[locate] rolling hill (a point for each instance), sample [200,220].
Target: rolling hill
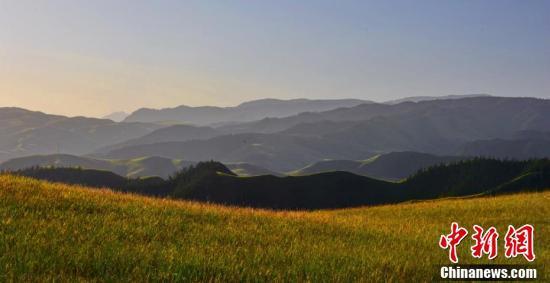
[97,179]
[54,232]
[249,170]
[130,168]
[390,166]
[214,182]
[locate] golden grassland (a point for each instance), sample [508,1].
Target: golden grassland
[67,233]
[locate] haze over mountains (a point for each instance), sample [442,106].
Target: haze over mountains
[425,98]
[266,140]
[116,116]
[131,168]
[278,152]
[253,110]
[391,166]
[24,132]
[440,127]
[169,134]
[247,111]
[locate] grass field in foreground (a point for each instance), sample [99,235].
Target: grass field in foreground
[67,233]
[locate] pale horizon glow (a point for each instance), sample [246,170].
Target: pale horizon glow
[92,58]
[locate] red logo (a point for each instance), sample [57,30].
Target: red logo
[485,243]
[516,242]
[452,240]
[520,242]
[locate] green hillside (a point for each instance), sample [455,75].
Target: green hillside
[131,168]
[64,233]
[215,183]
[248,170]
[343,189]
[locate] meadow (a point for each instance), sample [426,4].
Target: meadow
[55,232]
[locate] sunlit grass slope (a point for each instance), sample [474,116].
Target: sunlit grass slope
[66,233]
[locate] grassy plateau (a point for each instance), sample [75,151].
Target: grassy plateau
[55,232]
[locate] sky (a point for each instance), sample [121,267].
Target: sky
[91,58]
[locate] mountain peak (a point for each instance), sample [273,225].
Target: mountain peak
[116,116]
[427,98]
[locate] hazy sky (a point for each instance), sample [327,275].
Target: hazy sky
[95,57]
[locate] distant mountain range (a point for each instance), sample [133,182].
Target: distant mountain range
[504,148]
[302,154]
[255,110]
[24,132]
[530,111]
[176,133]
[248,111]
[464,126]
[426,98]
[441,127]
[276,152]
[392,166]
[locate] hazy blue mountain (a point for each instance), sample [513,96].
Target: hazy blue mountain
[435,126]
[173,133]
[498,116]
[24,132]
[116,116]
[276,152]
[530,134]
[390,166]
[426,98]
[439,127]
[248,111]
[505,148]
